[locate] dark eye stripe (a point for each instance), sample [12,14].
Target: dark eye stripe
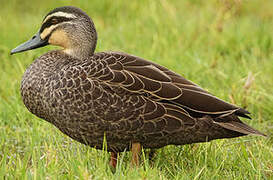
[57,20]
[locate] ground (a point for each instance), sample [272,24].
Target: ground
[225,46]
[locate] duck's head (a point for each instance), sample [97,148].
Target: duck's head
[67,27]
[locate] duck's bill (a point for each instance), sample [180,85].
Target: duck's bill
[33,43]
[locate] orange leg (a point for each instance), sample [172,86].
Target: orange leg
[113,160]
[136,147]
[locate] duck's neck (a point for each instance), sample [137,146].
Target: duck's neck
[82,45]
[79,52]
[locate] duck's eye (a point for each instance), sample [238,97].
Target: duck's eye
[54,21]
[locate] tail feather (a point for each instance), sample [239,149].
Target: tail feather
[232,122]
[239,127]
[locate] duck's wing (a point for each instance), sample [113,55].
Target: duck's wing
[160,84]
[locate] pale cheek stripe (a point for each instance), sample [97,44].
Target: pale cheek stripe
[60,14]
[49,29]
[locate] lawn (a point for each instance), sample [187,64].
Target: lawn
[225,46]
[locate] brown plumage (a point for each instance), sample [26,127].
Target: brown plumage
[89,96]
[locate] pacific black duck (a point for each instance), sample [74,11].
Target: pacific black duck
[130,101]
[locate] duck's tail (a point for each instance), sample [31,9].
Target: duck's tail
[240,127]
[232,122]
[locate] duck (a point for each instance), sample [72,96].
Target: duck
[114,97]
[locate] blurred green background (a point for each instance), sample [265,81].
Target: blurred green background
[225,46]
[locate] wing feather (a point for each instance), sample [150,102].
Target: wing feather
[141,76]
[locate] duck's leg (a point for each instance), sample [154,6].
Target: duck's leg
[113,160]
[136,147]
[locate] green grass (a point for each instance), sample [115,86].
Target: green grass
[216,44]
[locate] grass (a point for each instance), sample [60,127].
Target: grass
[225,46]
